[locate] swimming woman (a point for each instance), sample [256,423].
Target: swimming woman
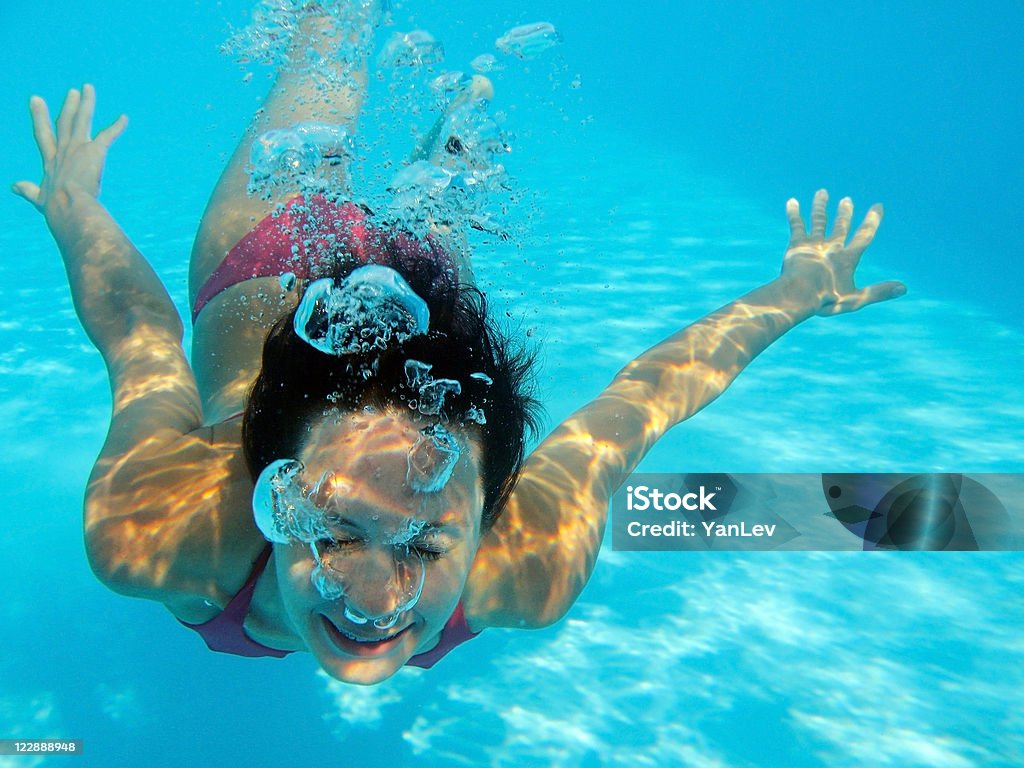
[340,469]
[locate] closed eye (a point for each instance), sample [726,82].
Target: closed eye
[429,553]
[338,545]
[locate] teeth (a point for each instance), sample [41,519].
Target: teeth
[362,639]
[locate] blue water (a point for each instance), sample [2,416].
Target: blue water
[655,194]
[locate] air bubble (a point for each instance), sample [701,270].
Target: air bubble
[432,459]
[372,306]
[268,39]
[283,512]
[416,373]
[448,85]
[297,156]
[463,192]
[411,49]
[529,40]
[433,393]
[485,62]
[411,532]
[476,415]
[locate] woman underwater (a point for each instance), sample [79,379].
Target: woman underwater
[340,469]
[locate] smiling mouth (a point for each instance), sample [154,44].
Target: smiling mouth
[359,646]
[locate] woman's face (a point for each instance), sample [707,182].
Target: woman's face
[380,520]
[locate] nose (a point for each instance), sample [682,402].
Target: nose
[379,587]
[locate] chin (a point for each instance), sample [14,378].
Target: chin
[359,672]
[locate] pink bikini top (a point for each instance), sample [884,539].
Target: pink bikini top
[225,632]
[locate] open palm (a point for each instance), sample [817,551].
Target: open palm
[72,159]
[829,262]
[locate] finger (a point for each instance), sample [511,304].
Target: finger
[42,128]
[66,117]
[797,233]
[107,136]
[872,294]
[27,190]
[818,213]
[81,129]
[841,227]
[866,231]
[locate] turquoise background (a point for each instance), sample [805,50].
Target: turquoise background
[654,193]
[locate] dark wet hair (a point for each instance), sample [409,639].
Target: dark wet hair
[297,384]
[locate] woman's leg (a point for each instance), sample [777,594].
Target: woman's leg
[442,146]
[229,332]
[297,96]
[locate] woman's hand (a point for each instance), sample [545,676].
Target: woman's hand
[827,264]
[72,160]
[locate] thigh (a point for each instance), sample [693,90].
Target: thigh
[332,94]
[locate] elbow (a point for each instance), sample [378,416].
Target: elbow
[102,562]
[526,617]
[546,617]
[108,554]
[546,606]
[118,555]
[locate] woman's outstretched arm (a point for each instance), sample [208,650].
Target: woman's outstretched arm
[123,307]
[120,301]
[111,283]
[542,550]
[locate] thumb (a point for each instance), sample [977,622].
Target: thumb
[107,135]
[27,190]
[891,289]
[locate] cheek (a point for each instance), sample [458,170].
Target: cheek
[294,574]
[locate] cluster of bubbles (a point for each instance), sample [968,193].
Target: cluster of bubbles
[455,183]
[462,186]
[283,506]
[268,38]
[418,48]
[460,183]
[368,310]
[373,307]
[433,457]
[430,392]
[286,512]
[310,157]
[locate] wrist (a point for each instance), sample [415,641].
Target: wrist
[67,202]
[801,292]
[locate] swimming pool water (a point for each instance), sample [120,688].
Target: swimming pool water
[654,148]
